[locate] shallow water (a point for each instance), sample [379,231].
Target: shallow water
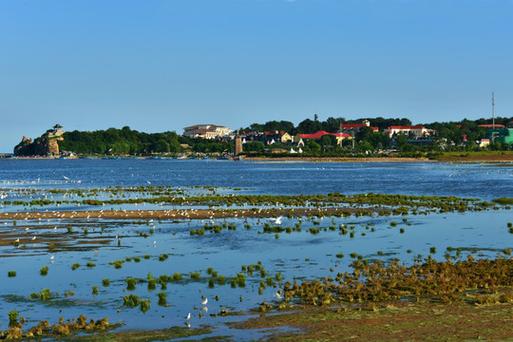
[465,180]
[297,255]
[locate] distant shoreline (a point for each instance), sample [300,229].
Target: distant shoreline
[488,157]
[341,159]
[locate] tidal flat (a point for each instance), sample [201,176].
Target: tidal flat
[83,258]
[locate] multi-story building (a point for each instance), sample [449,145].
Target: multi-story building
[206,131]
[417,131]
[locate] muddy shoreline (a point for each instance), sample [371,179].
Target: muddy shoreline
[177,214]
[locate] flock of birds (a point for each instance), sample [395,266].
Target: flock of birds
[189,213]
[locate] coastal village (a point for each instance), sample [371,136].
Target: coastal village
[280,141]
[347,136]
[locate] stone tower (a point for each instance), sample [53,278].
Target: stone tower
[238,145]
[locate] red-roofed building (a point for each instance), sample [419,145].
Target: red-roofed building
[357,126]
[492,126]
[319,134]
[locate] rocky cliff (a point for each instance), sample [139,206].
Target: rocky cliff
[47,145]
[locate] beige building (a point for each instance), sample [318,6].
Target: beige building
[417,131]
[206,131]
[286,138]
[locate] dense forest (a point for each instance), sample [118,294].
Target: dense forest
[126,141]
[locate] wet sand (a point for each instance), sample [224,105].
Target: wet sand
[179,214]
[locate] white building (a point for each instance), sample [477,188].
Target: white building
[417,131]
[206,131]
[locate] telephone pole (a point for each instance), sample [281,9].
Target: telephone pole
[493,110]
[493,117]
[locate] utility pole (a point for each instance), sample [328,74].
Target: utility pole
[493,117]
[493,110]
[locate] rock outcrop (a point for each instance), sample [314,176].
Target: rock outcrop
[47,145]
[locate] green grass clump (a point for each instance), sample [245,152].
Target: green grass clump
[131,301]
[90,264]
[75,266]
[43,295]
[163,257]
[14,317]
[152,284]
[176,276]
[130,283]
[162,298]
[106,282]
[117,264]
[195,275]
[144,305]
[43,271]
[503,201]
[240,280]
[95,290]
[11,274]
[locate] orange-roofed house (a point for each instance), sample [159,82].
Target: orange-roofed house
[319,134]
[355,127]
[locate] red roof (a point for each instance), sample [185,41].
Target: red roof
[349,126]
[352,125]
[280,133]
[320,134]
[406,127]
[492,126]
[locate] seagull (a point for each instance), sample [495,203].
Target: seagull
[65,178]
[188,318]
[52,257]
[278,295]
[204,301]
[33,238]
[278,220]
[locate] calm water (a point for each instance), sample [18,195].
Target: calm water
[297,255]
[472,180]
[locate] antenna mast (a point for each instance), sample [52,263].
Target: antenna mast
[493,117]
[493,110]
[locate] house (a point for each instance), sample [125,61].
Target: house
[286,138]
[206,131]
[417,131]
[248,135]
[355,127]
[319,134]
[483,143]
[271,137]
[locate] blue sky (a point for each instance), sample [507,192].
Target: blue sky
[161,65]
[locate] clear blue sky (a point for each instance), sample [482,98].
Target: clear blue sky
[160,65]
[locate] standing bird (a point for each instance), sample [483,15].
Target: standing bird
[204,301]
